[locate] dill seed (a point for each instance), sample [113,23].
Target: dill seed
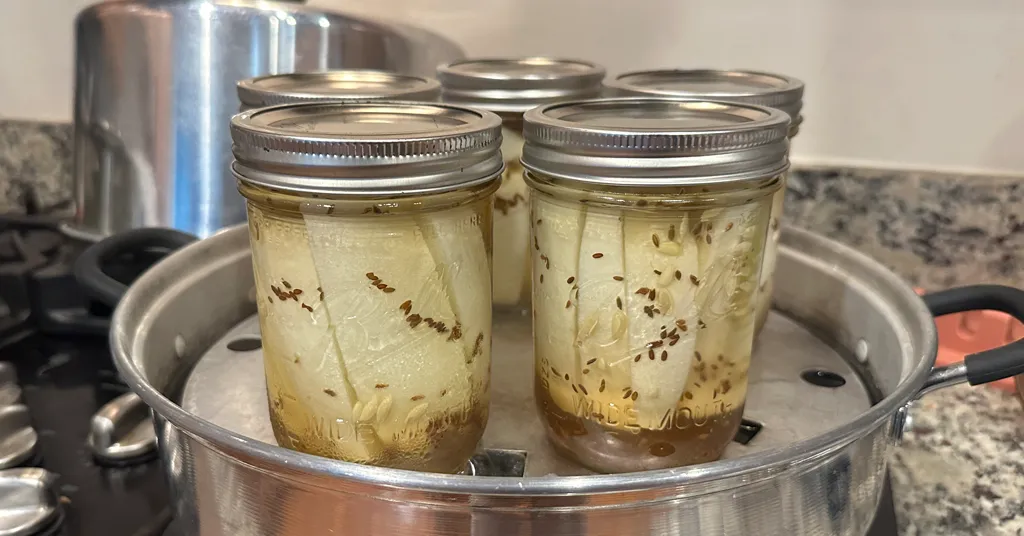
[657,272]
[297,292]
[306,307]
[688,395]
[536,245]
[381,386]
[574,389]
[592,361]
[663,334]
[697,356]
[651,295]
[584,389]
[370,276]
[417,398]
[389,290]
[568,304]
[540,221]
[617,277]
[671,232]
[694,280]
[728,226]
[629,392]
[547,261]
[618,302]
[726,386]
[634,395]
[650,354]
[382,286]
[601,389]
[406,306]
[656,310]
[701,324]
[414,320]
[654,238]
[679,275]
[597,255]
[643,291]
[444,392]
[330,392]
[566,376]
[697,385]
[637,358]
[269,299]
[655,344]
[715,394]
[570,280]
[541,278]
[681,324]
[586,371]
[673,341]
[664,355]
[287,285]
[555,371]
[708,238]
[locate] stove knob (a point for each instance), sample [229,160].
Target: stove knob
[10,393]
[29,503]
[122,432]
[18,439]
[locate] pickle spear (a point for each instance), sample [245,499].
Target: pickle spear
[393,322]
[556,231]
[511,225]
[305,380]
[660,259]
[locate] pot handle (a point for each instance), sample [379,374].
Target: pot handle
[89,265]
[990,365]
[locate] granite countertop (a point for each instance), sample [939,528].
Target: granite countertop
[960,471]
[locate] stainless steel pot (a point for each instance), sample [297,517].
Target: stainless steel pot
[155,88]
[825,483]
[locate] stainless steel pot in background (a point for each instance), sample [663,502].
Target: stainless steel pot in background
[155,88]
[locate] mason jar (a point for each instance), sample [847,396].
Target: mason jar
[510,87]
[370,228]
[746,87]
[344,84]
[649,221]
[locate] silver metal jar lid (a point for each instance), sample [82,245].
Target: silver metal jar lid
[366,148]
[655,142]
[745,87]
[348,84]
[515,85]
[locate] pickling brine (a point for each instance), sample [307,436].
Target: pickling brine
[644,323]
[376,333]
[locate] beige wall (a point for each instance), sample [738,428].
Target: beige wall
[914,83]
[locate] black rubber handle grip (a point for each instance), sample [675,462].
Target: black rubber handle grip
[997,363]
[89,265]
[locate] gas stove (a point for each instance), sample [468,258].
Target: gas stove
[55,375]
[58,384]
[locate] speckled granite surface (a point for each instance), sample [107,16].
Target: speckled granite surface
[961,470]
[35,166]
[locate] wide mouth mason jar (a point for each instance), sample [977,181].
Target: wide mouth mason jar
[510,87]
[649,219]
[343,84]
[746,87]
[370,232]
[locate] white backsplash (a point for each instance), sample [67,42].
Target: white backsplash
[910,83]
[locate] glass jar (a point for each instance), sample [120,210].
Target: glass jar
[745,87]
[510,87]
[345,84]
[649,221]
[370,233]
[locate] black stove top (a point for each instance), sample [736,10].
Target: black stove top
[56,338]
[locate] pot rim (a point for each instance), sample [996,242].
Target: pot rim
[152,286]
